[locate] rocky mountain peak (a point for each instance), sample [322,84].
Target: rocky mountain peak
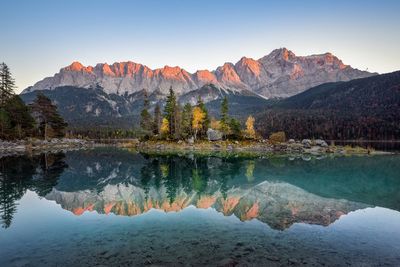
[278,74]
[282,53]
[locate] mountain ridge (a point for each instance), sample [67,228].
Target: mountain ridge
[278,74]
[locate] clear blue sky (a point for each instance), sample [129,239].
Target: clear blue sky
[41,36]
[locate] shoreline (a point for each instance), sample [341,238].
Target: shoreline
[254,147]
[262,147]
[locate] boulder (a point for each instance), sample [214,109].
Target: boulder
[306,143]
[291,141]
[321,143]
[214,135]
[191,140]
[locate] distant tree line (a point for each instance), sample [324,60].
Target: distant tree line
[328,124]
[177,122]
[18,121]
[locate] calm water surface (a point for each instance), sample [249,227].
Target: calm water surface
[115,207]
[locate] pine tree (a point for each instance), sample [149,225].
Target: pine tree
[21,120]
[224,124]
[186,123]
[4,123]
[145,117]
[170,112]
[206,122]
[234,125]
[177,123]
[7,84]
[157,119]
[50,123]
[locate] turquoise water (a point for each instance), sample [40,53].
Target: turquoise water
[116,207]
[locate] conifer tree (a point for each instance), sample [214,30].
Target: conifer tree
[7,84]
[186,123]
[224,124]
[170,112]
[4,123]
[146,122]
[177,123]
[50,123]
[21,120]
[235,128]
[206,121]
[157,119]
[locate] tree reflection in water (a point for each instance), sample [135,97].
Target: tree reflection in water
[20,173]
[276,190]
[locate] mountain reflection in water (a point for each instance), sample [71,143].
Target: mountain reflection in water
[278,191]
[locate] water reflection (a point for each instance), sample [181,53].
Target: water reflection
[278,191]
[18,173]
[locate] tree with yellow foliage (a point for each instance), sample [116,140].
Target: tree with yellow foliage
[250,132]
[215,125]
[198,120]
[164,129]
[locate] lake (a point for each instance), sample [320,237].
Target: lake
[113,207]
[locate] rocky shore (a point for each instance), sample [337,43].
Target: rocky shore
[305,146]
[38,145]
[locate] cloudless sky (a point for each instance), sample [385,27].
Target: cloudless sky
[38,37]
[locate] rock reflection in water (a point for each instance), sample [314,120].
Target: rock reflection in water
[278,191]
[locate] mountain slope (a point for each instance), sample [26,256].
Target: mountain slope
[362,108]
[93,107]
[279,74]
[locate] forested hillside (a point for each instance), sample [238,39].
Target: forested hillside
[367,108]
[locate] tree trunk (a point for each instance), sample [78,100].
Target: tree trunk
[45,131]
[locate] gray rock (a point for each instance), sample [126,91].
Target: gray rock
[320,142]
[191,140]
[291,141]
[306,143]
[214,135]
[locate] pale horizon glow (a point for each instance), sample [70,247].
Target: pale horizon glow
[41,37]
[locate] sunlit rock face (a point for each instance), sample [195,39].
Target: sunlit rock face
[275,203]
[279,74]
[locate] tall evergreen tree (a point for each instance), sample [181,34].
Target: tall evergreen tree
[157,119]
[7,84]
[145,117]
[177,123]
[206,121]
[21,120]
[186,122]
[224,116]
[170,112]
[50,123]
[235,128]
[4,123]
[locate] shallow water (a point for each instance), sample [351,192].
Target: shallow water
[115,207]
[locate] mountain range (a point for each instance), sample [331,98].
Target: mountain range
[112,95]
[279,74]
